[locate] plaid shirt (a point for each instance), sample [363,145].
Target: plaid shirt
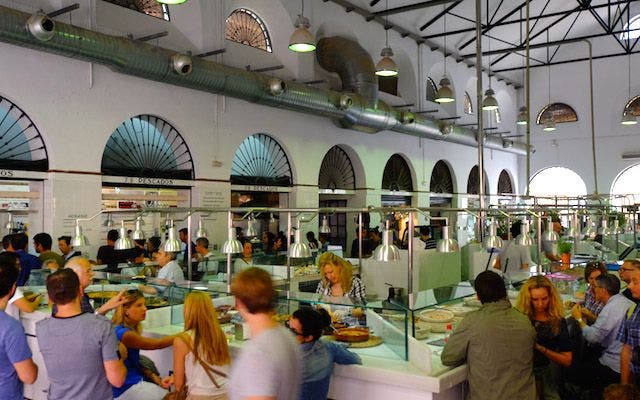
[357,289]
[629,333]
[591,304]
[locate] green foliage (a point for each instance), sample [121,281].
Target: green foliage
[564,247]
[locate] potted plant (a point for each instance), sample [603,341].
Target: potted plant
[564,248]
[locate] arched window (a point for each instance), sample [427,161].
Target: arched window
[397,175]
[633,28]
[473,183]
[432,90]
[505,186]
[560,113]
[441,180]
[626,183]
[260,160]
[556,181]
[152,8]
[245,27]
[633,105]
[147,146]
[336,171]
[468,105]
[21,146]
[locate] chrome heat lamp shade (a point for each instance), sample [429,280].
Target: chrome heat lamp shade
[299,249]
[524,238]
[232,245]
[79,239]
[550,235]
[387,251]
[123,242]
[201,232]
[324,228]
[604,228]
[172,244]
[138,233]
[492,241]
[446,244]
[588,231]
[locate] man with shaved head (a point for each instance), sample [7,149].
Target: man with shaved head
[82,267]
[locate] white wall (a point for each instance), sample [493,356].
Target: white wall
[77,105]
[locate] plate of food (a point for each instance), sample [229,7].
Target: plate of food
[437,316]
[352,334]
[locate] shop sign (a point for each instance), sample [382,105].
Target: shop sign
[261,188]
[6,173]
[149,181]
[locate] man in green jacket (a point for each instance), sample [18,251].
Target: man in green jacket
[497,343]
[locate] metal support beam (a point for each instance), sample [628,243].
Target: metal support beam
[265,69]
[411,7]
[150,37]
[63,10]
[211,53]
[440,14]
[582,59]
[488,28]
[425,112]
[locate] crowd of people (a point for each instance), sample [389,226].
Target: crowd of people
[88,356]
[535,351]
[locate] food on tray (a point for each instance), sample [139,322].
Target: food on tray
[437,316]
[352,334]
[155,302]
[357,312]
[102,294]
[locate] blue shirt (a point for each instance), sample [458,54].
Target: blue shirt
[317,366]
[629,333]
[27,263]
[603,331]
[13,349]
[132,362]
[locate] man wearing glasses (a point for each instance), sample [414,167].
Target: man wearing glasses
[629,332]
[598,373]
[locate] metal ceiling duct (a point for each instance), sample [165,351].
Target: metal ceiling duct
[360,110]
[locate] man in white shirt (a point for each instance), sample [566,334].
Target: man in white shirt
[598,373]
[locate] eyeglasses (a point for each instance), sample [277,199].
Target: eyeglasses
[286,323]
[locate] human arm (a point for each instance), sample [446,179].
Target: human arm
[341,355]
[113,302]
[27,370]
[625,364]
[27,306]
[180,351]
[563,358]
[134,340]
[455,349]
[115,371]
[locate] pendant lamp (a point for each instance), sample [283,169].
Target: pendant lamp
[172,244]
[523,116]
[492,240]
[138,233]
[171,1]
[550,235]
[79,239]
[301,40]
[445,93]
[299,248]
[489,103]
[201,232]
[524,238]
[446,244]
[325,228]
[386,66]
[387,251]
[628,118]
[123,242]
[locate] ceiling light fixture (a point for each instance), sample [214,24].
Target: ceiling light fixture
[325,228]
[489,103]
[301,40]
[123,242]
[549,123]
[172,244]
[523,116]
[446,244]
[445,93]
[628,117]
[299,248]
[386,66]
[387,251]
[171,1]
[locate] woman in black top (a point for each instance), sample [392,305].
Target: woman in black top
[540,301]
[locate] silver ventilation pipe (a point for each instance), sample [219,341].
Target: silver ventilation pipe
[150,62]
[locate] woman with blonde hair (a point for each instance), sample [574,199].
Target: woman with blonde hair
[337,278]
[201,348]
[540,301]
[127,319]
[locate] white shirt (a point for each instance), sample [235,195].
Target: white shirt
[171,272]
[11,309]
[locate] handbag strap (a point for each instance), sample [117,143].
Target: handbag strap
[209,370]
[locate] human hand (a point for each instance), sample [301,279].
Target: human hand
[576,311]
[166,382]
[115,301]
